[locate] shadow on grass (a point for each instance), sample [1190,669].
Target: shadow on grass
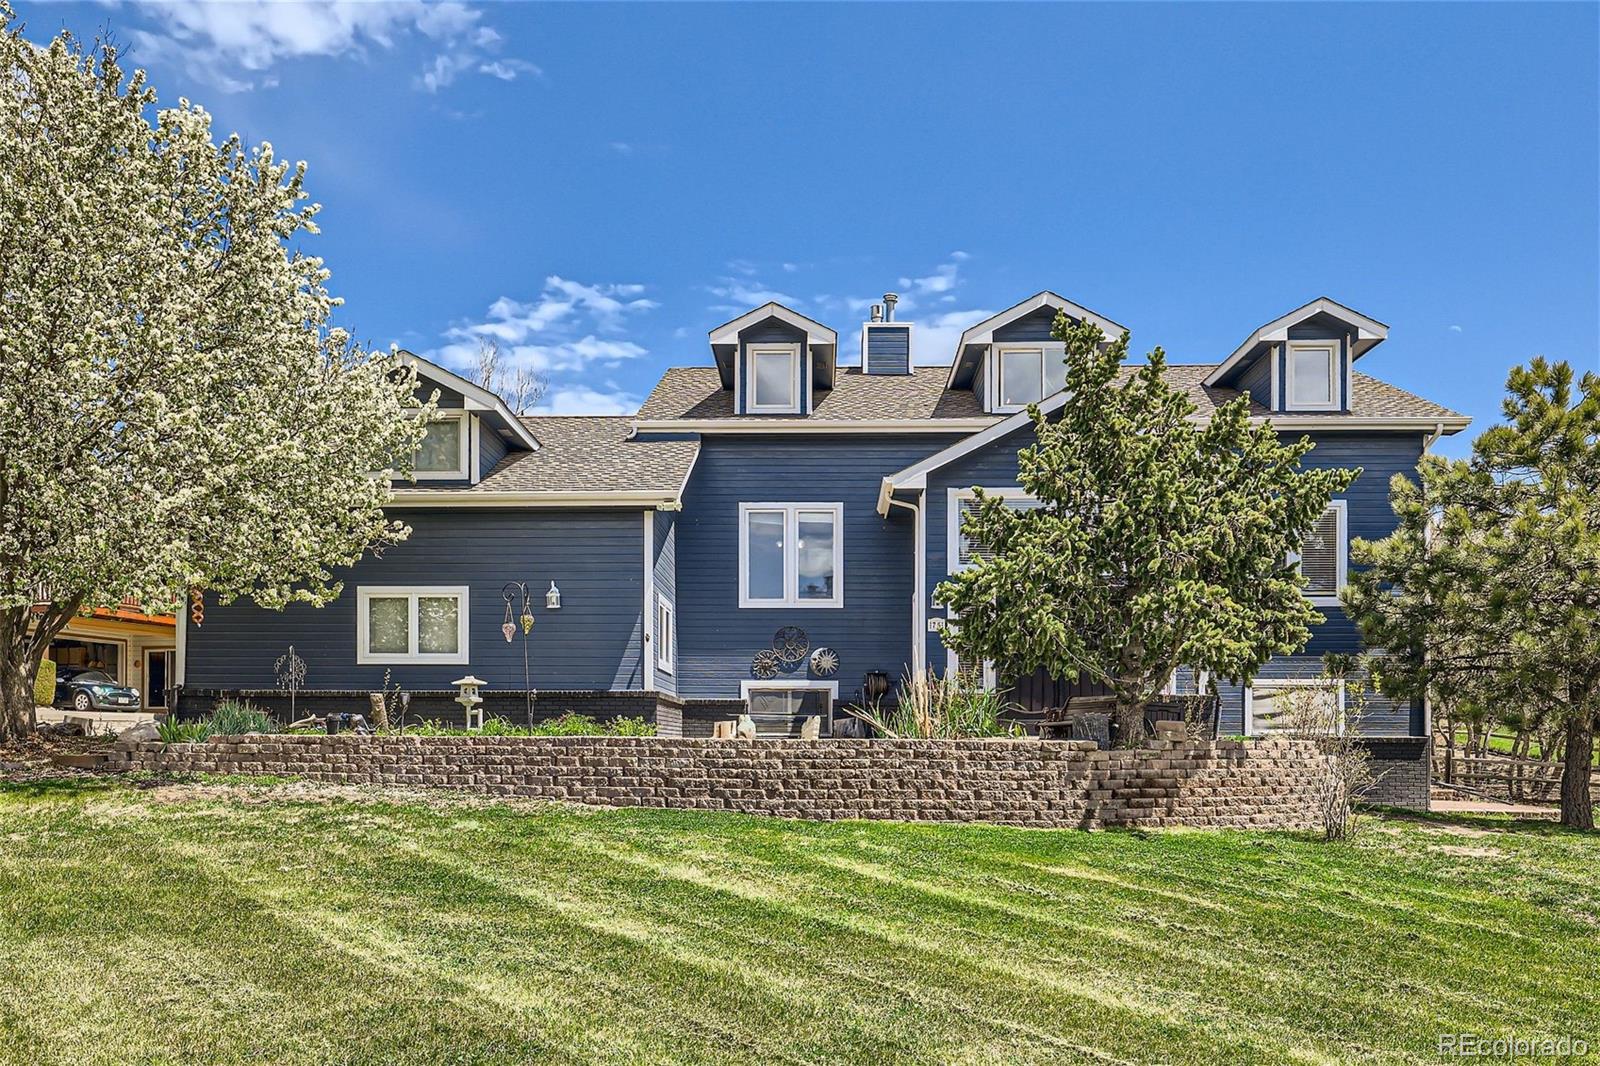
[1488,823]
[57,787]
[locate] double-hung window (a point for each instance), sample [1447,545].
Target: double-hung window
[1313,376]
[666,634]
[411,624]
[791,555]
[442,455]
[1324,555]
[1026,373]
[962,550]
[774,373]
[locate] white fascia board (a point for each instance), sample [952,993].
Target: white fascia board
[1346,423]
[447,498]
[983,332]
[1368,330]
[783,424]
[816,332]
[915,476]
[474,397]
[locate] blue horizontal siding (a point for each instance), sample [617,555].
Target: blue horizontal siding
[888,350]
[716,638]
[666,581]
[592,642]
[1034,326]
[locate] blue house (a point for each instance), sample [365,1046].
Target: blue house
[767,532]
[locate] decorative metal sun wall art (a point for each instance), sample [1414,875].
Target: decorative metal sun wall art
[824,662]
[791,644]
[766,664]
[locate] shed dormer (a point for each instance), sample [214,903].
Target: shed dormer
[774,360]
[1013,359]
[1304,360]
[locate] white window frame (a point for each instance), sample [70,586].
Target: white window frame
[791,565]
[462,471]
[992,371]
[666,623]
[953,563]
[789,685]
[788,351]
[1332,348]
[1341,556]
[1286,683]
[366,593]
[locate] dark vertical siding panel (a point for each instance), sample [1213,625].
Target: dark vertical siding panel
[592,642]
[716,638]
[491,448]
[888,350]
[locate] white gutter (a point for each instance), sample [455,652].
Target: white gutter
[447,498]
[781,424]
[919,624]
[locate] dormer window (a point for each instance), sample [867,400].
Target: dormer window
[774,379]
[1026,373]
[443,453]
[1313,381]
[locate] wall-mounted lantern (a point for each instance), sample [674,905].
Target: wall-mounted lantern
[552,599]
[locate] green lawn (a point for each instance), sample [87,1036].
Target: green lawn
[277,923]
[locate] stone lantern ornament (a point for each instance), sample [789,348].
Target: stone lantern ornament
[470,701]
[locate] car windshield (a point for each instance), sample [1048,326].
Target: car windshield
[97,676]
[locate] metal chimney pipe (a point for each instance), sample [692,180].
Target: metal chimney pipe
[877,312]
[889,300]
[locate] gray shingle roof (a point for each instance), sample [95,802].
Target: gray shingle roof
[591,454]
[697,393]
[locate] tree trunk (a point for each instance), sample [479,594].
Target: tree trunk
[17,674]
[1577,806]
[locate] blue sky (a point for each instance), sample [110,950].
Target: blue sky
[600,185]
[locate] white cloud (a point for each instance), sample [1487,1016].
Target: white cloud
[1455,329]
[583,400]
[737,296]
[562,304]
[236,46]
[934,339]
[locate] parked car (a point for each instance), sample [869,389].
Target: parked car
[94,690]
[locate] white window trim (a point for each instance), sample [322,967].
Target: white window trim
[665,648]
[992,376]
[952,512]
[365,594]
[789,685]
[463,461]
[1341,556]
[792,353]
[1289,402]
[1289,682]
[791,522]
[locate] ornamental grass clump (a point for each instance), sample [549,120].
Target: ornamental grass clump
[930,707]
[233,717]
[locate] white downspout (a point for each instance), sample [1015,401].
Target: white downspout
[919,625]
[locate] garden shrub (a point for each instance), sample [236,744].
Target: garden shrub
[232,717]
[941,708]
[44,683]
[172,731]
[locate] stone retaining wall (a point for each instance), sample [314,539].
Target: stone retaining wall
[1254,784]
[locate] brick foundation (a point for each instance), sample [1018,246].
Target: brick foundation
[1262,784]
[1404,777]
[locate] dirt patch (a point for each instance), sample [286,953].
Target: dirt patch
[28,759]
[1467,851]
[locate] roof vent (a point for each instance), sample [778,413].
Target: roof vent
[877,312]
[889,300]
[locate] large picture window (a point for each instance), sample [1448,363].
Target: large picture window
[442,455]
[791,555]
[774,379]
[1279,706]
[1324,556]
[411,624]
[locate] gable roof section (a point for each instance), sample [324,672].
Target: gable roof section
[1377,405]
[983,332]
[694,396]
[824,341]
[1369,332]
[475,397]
[587,460]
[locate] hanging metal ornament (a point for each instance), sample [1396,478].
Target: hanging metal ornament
[197,606]
[765,664]
[508,627]
[824,662]
[791,644]
[527,621]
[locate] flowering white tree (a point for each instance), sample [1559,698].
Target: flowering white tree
[175,410]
